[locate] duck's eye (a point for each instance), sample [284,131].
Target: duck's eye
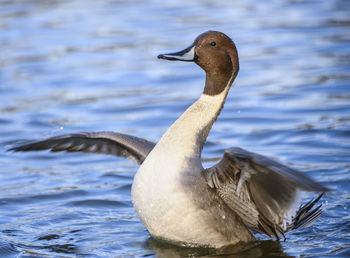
[213,43]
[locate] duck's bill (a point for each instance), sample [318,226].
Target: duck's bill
[187,54]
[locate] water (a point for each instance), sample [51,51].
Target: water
[72,66]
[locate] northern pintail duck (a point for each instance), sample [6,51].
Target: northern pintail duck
[180,201]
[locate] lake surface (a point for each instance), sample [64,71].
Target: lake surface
[73,66]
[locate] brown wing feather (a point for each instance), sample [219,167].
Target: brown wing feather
[261,191]
[101,142]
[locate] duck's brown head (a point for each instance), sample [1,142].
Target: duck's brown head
[216,54]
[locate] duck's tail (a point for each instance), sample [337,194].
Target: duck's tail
[306,215]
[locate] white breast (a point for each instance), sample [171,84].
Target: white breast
[160,198]
[164,186]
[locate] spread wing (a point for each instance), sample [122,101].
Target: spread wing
[101,142]
[263,192]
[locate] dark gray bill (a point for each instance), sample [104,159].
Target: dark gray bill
[185,55]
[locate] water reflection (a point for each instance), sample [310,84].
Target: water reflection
[251,250]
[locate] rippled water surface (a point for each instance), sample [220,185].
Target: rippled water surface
[72,66]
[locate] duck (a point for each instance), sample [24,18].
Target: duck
[176,198]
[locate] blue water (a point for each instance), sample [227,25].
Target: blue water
[73,66]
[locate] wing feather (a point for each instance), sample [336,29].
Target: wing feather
[111,143]
[263,192]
